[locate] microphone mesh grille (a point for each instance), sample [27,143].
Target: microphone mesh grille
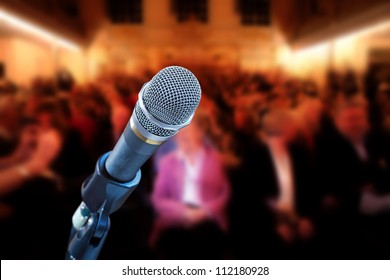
[172,96]
[151,127]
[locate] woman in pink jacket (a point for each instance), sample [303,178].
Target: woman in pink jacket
[190,196]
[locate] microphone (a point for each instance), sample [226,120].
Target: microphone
[165,104]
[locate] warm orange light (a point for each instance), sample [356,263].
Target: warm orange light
[317,49]
[366,30]
[342,39]
[38,31]
[338,51]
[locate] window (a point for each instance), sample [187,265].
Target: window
[254,12]
[125,11]
[190,9]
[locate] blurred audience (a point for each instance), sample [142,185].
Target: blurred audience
[271,167]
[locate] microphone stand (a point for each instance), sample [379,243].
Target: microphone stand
[102,195]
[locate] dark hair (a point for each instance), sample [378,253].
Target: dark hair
[64,81]
[2,70]
[343,103]
[53,108]
[43,87]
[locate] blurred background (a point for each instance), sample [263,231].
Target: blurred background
[288,156]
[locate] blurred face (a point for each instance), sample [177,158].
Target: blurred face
[312,112]
[189,139]
[241,118]
[352,123]
[31,106]
[290,130]
[281,128]
[44,120]
[9,118]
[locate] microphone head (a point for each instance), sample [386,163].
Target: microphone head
[168,102]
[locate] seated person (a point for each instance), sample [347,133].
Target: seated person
[276,207]
[29,197]
[190,196]
[354,174]
[39,146]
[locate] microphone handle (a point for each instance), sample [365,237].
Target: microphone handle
[129,154]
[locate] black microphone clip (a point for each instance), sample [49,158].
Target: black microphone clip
[102,195]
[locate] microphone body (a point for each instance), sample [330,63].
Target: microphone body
[128,155]
[165,105]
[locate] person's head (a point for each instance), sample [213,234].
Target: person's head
[351,118]
[10,113]
[49,115]
[383,94]
[88,101]
[43,87]
[64,80]
[310,112]
[245,111]
[279,98]
[190,138]
[241,117]
[278,126]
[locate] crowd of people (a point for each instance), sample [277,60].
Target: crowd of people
[271,167]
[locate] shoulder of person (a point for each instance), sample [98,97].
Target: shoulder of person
[169,158]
